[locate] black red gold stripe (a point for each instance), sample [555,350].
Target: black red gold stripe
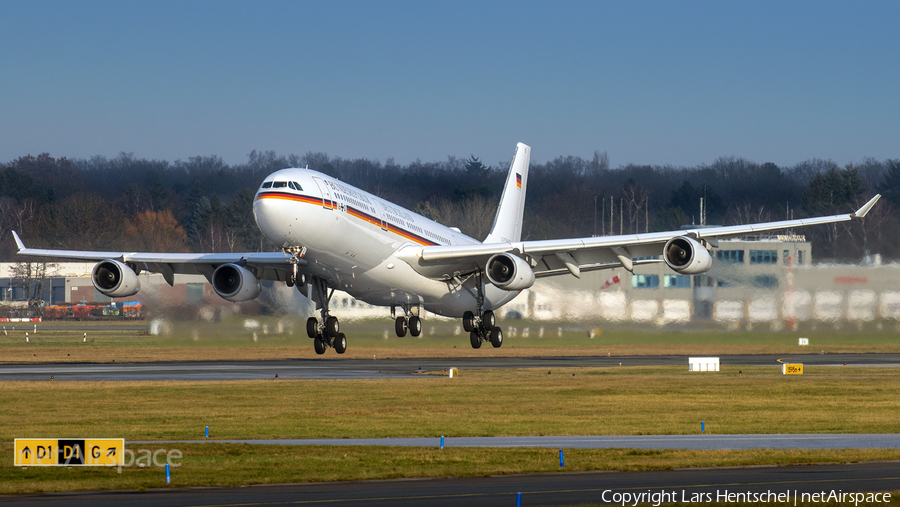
[354,212]
[293,197]
[518,180]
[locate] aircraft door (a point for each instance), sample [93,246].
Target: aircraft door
[382,216]
[327,200]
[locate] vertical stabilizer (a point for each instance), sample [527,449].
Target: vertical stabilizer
[508,221]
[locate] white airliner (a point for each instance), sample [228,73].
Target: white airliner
[335,236]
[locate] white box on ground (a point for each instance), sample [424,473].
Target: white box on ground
[704,363]
[804,341]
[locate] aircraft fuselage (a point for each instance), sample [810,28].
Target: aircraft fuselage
[352,237]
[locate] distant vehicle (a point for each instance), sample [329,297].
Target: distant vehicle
[335,236]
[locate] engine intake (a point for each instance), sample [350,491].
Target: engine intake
[115,279]
[235,283]
[686,256]
[509,272]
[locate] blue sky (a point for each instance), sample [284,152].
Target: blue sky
[677,83]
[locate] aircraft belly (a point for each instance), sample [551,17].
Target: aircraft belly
[400,285]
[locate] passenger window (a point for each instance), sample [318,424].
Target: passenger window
[279,184]
[296,186]
[267,184]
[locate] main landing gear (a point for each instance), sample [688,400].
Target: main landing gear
[482,329]
[413,324]
[328,333]
[481,324]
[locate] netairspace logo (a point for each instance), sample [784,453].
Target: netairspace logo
[657,498]
[146,458]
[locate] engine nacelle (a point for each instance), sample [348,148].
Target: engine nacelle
[509,272]
[235,283]
[687,256]
[115,279]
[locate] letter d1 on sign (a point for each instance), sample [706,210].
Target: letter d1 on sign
[792,369]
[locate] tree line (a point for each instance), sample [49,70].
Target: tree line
[203,204]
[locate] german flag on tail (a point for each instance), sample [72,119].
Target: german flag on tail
[518,180]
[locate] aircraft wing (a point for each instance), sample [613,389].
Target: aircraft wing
[559,256]
[269,265]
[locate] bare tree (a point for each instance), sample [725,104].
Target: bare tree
[747,213]
[635,199]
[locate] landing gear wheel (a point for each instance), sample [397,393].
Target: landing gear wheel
[475,339]
[400,326]
[320,345]
[496,337]
[488,320]
[312,327]
[332,327]
[289,282]
[468,321]
[340,343]
[415,325]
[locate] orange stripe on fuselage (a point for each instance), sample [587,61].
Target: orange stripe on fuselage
[289,197]
[351,211]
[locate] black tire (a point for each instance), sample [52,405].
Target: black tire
[340,343]
[320,345]
[312,327]
[415,326]
[488,321]
[332,326]
[289,282]
[400,326]
[496,337]
[468,321]
[475,339]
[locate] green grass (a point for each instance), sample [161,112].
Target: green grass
[285,337]
[598,401]
[595,401]
[216,464]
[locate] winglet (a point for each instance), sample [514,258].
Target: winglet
[19,245]
[861,212]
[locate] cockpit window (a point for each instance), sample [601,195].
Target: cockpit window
[296,186]
[279,184]
[267,184]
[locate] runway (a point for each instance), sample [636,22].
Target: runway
[541,489]
[391,368]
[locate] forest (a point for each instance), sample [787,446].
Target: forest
[203,204]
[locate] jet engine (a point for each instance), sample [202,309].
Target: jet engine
[509,272]
[687,256]
[115,279]
[235,283]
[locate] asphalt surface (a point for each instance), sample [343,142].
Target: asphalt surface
[543,489]
[389,368]
[703,441]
